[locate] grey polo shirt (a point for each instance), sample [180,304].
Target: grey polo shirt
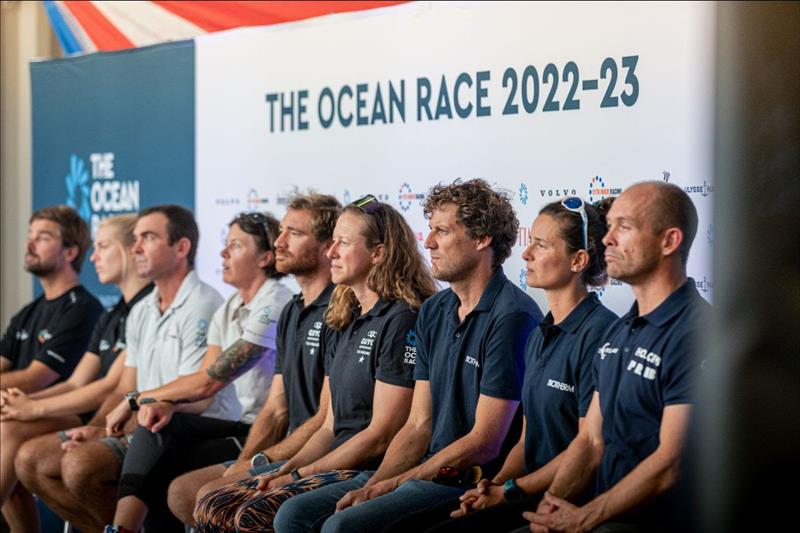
[163,346]
[256,323]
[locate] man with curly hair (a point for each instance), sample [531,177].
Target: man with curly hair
[469,367]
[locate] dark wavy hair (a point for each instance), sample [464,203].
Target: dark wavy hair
[483,212]
[570,224]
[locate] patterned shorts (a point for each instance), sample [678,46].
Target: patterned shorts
[240,507]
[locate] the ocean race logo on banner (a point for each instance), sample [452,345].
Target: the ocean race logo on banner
[598,190]
[96,192]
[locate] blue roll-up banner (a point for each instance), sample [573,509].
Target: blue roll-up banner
[112,133]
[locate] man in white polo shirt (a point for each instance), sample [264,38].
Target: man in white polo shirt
[166,338]
[169,443]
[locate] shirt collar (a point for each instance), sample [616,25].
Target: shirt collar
[144,291]
[669,308]
[238,302]
[579,314]
[188,283]
[488,297]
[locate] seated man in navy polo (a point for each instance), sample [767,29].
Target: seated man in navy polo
[631,442]
[469,367]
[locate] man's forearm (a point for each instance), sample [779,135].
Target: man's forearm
[111,401]
[268,428]
[75,401]
[652,477]
[514,465]
[404,453]
[52,390]
[25,380]
[577,468]
[289,446]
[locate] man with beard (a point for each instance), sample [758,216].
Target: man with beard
[44,342]
[469,365]
[299,395]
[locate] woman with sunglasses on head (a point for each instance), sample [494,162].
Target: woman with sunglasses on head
[564,258]
[203,418]
[382,281]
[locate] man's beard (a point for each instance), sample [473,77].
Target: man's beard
[40,269]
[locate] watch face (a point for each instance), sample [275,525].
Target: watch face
[258,460]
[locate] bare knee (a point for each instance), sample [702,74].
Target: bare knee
[25,463]
[181,497]
[89,465]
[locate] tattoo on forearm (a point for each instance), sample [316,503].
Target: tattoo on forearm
[240,357]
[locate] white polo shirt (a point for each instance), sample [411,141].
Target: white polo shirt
[256,323]
[164,346]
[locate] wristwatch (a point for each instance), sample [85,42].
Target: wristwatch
[511,491]
[258,460]
[296,474]
[131,397]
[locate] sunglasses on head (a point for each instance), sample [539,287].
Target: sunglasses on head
[576,205]
[371,206]
[260,220]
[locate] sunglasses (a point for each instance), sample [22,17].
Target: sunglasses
[371,206]
[260,220]
[576,205]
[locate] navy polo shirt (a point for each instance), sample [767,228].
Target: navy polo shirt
[559,381]
[301,344]
[484,354]
[377,345]
[645,363]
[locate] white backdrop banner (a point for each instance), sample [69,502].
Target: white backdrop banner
[542,100]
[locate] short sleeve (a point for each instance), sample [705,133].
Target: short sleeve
[97,333]
[194,335]
[280,344]
[585,377]
[215,328]
[397,352]
[422,346]
[678,372]
[261,327]
[504,358]
[329,341]
[8,343]
[69,339]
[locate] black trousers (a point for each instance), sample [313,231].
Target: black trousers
[187,443]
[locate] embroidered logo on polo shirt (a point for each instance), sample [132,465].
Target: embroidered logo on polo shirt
[44,336]
[605,350]
[264,316]
[120,345]
[312,337]
[647,364]
[202,333]
[566,387]
[365,345]
[104,345]
[22,335]
[472,361]
[410,357]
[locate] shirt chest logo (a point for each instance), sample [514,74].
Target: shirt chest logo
[644,363]
[44,336]
[201,336]
[104,345]
[606,349]
[22,335]
[263,318]
[365,345]
[469,360]
[312,337]
[558,385]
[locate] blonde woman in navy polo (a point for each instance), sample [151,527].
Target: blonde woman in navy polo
[565,256]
